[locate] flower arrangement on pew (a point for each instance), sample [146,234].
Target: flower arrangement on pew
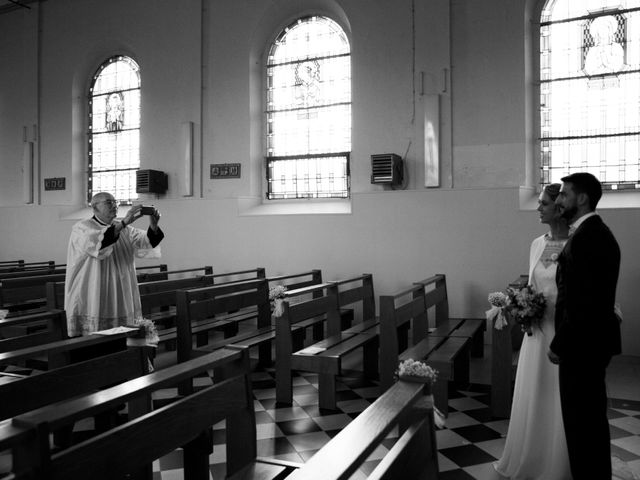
[3,314]
[525,305]
[151,337]
[276,295]
[416,371]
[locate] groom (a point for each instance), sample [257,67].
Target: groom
[587,329]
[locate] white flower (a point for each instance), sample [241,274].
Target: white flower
[497,299]
[151,333]
[277,291]
[417,369]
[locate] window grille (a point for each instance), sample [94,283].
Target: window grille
[114,129]
[590,91]
[308,111]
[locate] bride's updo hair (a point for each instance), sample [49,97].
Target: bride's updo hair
[553,190]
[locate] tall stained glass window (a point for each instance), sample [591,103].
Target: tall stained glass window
[590,90]
[114,129]
[308,111]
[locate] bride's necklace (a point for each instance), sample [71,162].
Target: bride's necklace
[551,251]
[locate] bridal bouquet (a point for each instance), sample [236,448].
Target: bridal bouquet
[276,295]
[524,305]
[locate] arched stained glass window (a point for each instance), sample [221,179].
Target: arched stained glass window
[308,111]
[114,129]
[590,90]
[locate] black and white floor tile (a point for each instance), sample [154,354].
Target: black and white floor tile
[468,445]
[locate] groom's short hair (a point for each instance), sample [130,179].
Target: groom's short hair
[583,182]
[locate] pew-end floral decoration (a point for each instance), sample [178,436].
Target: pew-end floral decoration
[151,337]
[276,296]
[496,314]
[419,372]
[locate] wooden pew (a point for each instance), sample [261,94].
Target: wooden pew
[203,309]
[17,350]
[24,394]
[505,350]
[29,293]
[188,419]
[162,267]
[306,279]
[471,328]
[158,299]
[227,304]
[11,263]
[55,329]
[413,456]
[26,293]
[448,355]
[58,269]
[239,275]
[21,265]
[144,277]
[325,357]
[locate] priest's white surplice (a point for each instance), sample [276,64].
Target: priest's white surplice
[101,288]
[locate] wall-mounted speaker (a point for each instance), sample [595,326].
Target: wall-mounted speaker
[151,181]
[386,169]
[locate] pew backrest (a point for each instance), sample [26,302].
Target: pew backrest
[107,456]
[356,291]
[144,277]
[57,270]
[201,303]
[397,314]
[414,455]
[55,329]
[297,280]
[58,384]
[239,275]
[162,293]
[26,289]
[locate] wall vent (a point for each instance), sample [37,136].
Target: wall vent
[386,169]
[151,181]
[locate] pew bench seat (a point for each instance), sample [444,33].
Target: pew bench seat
[325,357]
[447,347]
[470,328]
[449,356]
[189,419]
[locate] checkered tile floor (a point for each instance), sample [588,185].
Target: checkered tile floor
[471,440]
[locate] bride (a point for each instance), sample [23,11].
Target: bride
[536,447]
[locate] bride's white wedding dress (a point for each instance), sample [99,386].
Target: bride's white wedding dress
[536,447]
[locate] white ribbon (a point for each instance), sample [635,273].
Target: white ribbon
[438,417]
[278,307]
[496,315]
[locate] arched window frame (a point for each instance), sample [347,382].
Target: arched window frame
[576,133]
[317,169]
[113,134]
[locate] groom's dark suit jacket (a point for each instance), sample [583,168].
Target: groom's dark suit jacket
[586,325]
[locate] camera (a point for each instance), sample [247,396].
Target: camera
[145,210]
